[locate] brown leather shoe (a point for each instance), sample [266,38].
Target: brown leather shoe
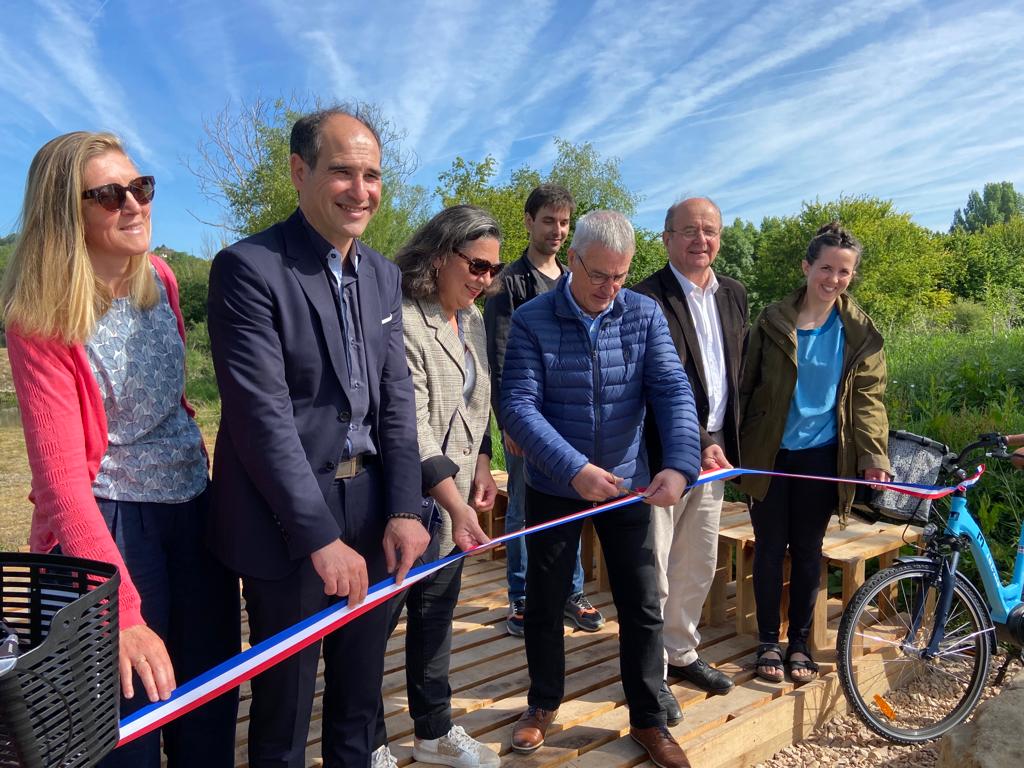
[528,732]
[663,750]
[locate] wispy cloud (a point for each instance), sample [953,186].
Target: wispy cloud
[68,41]
[891,116]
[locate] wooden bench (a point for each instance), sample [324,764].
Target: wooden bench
[847,549]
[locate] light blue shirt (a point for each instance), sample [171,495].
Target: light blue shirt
[593,323]
[812,412]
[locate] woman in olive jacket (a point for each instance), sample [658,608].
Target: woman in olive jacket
[811,400]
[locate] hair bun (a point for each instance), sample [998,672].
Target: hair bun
[834,227]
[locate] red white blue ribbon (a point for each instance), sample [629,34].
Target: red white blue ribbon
[273,650]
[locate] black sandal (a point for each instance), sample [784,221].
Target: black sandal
[776,665]
[795,664]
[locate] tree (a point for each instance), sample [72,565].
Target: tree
[242,165]
[736,255]
[998,203]
[594,182]
[6,249]
[898,278]
[193,275]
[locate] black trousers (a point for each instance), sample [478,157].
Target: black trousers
[191,601]
[626,539]
[428,647]
[794,514]
[282,696]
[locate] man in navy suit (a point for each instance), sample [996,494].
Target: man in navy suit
[316,487]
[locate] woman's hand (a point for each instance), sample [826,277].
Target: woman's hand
[141,649]
[466,530]
[875,474]
[485,490]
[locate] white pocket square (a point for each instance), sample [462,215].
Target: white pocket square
[386,319]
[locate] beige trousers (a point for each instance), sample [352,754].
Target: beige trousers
[686,555]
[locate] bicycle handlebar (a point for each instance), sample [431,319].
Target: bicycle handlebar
[992,444]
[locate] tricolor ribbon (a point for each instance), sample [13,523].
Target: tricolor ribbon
[275,649]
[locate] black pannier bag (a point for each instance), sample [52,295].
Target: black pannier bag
[914,459]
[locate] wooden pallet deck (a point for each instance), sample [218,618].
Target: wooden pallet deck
[489,682]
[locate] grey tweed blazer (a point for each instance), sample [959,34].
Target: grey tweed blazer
[438,365]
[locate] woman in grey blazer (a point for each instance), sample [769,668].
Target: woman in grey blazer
[446,266]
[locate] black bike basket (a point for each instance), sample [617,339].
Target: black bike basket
[59,695]
[914,459]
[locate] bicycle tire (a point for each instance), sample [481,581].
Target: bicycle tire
[893,690]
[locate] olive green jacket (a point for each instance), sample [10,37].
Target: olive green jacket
[769,379]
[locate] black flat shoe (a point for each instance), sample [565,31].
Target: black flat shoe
[703,675]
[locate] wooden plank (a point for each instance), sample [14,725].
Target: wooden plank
[490,681]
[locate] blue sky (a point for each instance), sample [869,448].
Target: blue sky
[758,104]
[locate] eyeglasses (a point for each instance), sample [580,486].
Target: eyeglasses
[480,267]
[113,196]
[600,278]
[692,232]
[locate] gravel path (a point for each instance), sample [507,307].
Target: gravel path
[844,741]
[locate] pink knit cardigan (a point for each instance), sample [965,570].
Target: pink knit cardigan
[66,436]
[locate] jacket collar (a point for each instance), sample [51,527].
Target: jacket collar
[862,338]
[564,308]
[433,317]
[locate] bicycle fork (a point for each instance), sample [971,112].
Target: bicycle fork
[947,576]
[947,579]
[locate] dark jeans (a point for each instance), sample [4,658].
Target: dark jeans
[627,543]
[515,520]
[282,696]
[428,646]
[191,601]
[793,514]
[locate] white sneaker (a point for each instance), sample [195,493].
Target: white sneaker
[382,758]
[457,749]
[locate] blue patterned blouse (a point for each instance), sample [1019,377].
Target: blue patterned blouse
[154,451]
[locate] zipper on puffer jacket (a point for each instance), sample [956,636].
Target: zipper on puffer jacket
[594,356]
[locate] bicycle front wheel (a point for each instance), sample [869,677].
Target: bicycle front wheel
[895,686]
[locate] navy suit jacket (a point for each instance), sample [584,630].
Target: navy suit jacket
[279,356]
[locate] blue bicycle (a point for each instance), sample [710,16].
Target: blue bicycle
[916,640]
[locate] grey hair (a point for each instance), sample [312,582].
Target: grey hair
[670,213]
[307,132]
[608,228]
[440,237]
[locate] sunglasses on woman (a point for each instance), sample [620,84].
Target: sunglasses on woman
[113,196]
[478,267]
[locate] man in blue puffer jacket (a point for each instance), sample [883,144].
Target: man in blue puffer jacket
[582,361]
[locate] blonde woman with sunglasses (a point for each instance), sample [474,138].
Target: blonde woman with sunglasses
[119,471]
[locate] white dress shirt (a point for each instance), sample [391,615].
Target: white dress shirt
[704,312]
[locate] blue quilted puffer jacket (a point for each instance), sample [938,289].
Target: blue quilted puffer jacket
[566,403]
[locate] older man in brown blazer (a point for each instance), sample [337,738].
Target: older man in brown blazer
[707,317]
